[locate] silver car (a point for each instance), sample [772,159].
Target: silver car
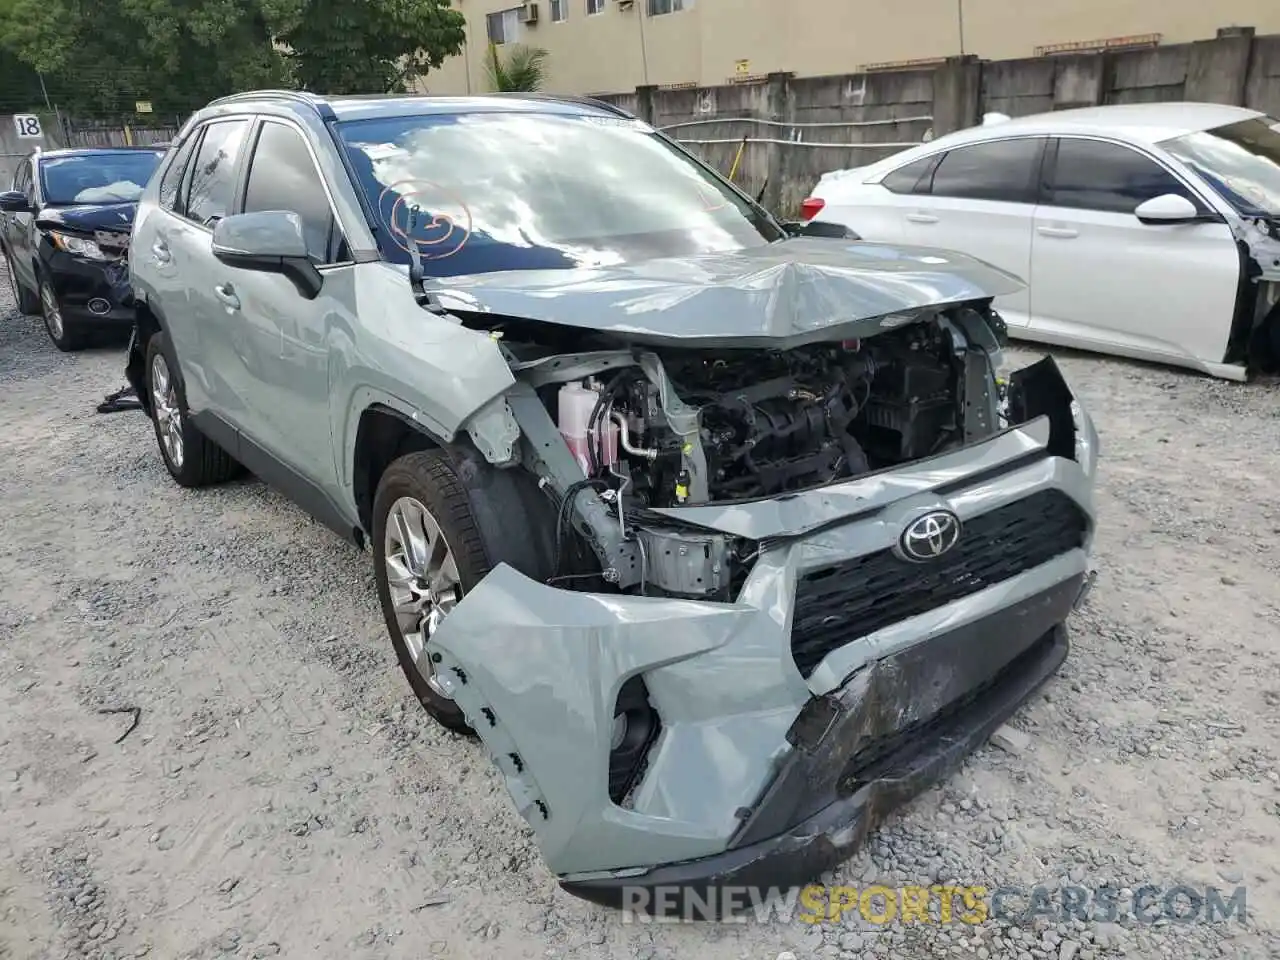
[719,532]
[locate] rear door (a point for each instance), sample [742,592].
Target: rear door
[979,199]
[201,333]
[1105,279]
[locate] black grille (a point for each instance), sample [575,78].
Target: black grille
[840,603]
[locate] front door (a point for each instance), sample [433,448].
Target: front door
[19,229]
[1105,279]
[980,200]
[281,337]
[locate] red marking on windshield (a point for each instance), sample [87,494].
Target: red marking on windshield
[452,235]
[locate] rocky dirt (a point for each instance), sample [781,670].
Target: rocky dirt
[282,794]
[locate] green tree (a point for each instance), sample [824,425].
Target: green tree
[370,46]
[525,69]
[99,56]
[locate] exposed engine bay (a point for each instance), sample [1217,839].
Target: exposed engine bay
[768,422]
[650,429]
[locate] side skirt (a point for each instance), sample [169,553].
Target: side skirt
[278,475]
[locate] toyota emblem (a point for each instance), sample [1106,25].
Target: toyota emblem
[930,536]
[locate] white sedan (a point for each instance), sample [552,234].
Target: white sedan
[1146,230]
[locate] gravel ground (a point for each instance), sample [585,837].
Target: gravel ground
[284,796]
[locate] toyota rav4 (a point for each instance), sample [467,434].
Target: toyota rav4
[723,538]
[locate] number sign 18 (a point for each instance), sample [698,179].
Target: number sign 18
[28,126]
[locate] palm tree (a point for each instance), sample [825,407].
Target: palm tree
[525,69]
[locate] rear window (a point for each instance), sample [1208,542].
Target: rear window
[494,191]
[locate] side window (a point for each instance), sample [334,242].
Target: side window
[213,176]
[999,170]
[282,176]
[1095,175]
[913,178]
[172,178]
[22,179]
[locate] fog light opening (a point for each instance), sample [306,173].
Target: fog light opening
[99,306]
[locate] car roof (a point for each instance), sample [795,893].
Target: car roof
[401,105]
[1144,123]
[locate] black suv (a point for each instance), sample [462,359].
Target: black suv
[65,236]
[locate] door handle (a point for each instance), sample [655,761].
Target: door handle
[227,294]
[1065,233]
[922,218]
[160,251]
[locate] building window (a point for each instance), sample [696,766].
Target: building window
[657,7]
[559,11]
[504,26]
[595,6]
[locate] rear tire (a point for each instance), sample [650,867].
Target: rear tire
[192,459]
[28,302]
[421,502]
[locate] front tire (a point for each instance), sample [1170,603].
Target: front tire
[66,335]
[428,553]
[192,459]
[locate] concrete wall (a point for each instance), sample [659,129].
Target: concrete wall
[797,128]
[623,47]
[57,134]
[13,148]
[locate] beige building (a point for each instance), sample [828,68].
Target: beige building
[613,46]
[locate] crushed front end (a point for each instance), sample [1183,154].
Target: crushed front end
[804,583]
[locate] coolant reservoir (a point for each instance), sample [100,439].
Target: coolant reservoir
[576,404]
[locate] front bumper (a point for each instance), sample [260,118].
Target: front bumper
[91,292]
[839,804]
[773,761]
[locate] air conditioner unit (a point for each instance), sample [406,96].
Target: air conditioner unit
[529,13]
[626,4]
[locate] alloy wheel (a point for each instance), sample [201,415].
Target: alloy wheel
[423,579]
[49,306]
[164,401]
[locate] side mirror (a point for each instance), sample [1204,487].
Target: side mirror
[1167,208]
[271,241]
[14,201]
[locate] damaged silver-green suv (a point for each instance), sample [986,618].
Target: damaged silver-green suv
[723,538]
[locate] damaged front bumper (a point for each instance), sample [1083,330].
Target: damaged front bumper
[842,680]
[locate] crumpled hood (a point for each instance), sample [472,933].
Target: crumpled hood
[781,295]
[89,217]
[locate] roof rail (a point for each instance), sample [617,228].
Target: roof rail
[296,96]
[571,98]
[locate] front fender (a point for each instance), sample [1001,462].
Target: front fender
[537,672]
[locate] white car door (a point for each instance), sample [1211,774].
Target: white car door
[977,199]
[1105,280]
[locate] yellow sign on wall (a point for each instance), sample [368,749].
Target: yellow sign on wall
[143,106]
[742,67]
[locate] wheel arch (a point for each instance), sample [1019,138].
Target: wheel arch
[146,324]
[383,435]
[501,499]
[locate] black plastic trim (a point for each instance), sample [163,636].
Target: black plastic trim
[803,825]
[277,474]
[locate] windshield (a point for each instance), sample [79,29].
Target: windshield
[97,177]
[1241,161]
[485,192]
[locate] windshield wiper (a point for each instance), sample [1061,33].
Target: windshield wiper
[417,274]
